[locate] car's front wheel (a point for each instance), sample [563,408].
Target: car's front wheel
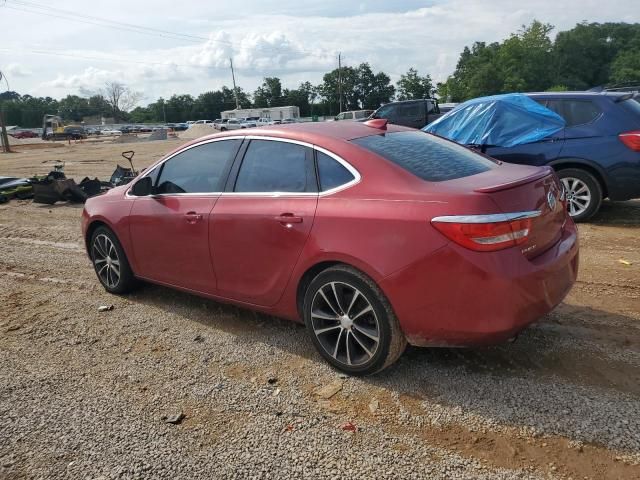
[351,322]
[583,193]
[110,262]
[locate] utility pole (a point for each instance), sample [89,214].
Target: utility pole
[4,138]
[340,79]
[164,112]
[235,90]
[3,133]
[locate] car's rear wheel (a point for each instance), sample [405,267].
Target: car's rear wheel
[351,322]
[110,262]
[583,192]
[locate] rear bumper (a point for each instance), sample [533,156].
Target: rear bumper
[457,297]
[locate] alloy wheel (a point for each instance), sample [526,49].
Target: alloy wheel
[578,195]
[345,323]
[106,261]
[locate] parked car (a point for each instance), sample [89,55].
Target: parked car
[24,134]
[447,107]
[219,124]
[231,124]
[410,113]
[289,120]
[75,132]
[262,121]
[374,236]
[597,154]
[110,132]
[353,115]
[206,122]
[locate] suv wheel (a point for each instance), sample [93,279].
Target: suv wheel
[351,322]
[583,191]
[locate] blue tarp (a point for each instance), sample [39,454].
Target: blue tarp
[499,120]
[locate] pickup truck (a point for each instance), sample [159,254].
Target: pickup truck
[410,113]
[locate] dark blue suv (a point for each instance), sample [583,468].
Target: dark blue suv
[597,154]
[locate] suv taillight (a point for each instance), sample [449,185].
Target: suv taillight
[487,233]
[631,140]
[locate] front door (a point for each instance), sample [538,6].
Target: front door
[170,228]
[259,229]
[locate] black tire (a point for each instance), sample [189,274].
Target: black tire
[357,353]
[583,211]
[106,272]
[223,129]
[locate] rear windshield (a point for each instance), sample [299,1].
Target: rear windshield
[426,156]
[632,105]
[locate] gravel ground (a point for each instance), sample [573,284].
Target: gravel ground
[88,394]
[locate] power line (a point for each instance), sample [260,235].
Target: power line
[40,9]
[102,59]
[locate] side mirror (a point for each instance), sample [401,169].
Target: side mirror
[143,187]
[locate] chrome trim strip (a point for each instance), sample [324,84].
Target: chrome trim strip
[344,163]
[491,218]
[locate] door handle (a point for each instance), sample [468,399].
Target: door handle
[288,218]
[192,217]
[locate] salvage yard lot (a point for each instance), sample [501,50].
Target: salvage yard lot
[86,394]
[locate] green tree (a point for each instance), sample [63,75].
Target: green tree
[269,94]
[585,54]
[412,86]
[625,68]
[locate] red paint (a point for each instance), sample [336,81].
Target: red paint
[244,251]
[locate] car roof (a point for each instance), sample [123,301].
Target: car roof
[577,94]
[314,132]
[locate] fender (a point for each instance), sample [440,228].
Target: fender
[604,176]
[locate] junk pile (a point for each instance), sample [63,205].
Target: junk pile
[56,187]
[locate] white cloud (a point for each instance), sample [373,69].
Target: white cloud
[17,71]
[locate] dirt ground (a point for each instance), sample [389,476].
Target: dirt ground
[561,402]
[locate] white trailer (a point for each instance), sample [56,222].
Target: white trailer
[274,113]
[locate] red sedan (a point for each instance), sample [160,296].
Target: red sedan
[375,236]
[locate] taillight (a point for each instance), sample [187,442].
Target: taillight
[487,233]
[631,140]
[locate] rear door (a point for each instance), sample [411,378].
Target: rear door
[170,229]
[261,224]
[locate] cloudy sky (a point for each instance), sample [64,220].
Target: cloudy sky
[57,48]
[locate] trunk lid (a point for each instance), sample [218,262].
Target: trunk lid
[520,188]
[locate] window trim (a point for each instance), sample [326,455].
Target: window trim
[232,171]
[564,109]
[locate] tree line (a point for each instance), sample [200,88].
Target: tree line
[588,55]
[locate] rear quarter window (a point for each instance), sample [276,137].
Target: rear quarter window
[426,156]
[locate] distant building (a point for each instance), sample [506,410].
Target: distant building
[274,113]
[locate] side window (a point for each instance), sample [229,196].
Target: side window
[340,116]
[348,115]
[579,112]
[331,173]
[411,110]
[385,112]
[272,166]
[361,114]
[554,106]
[198,169]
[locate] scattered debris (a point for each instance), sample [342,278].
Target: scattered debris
[349,427]
[174,419]
[329,390]
[55,186]
[272,380]
[276,392]
[105,308]
[198,338]
[374,405]
[625,262]
[288,428]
